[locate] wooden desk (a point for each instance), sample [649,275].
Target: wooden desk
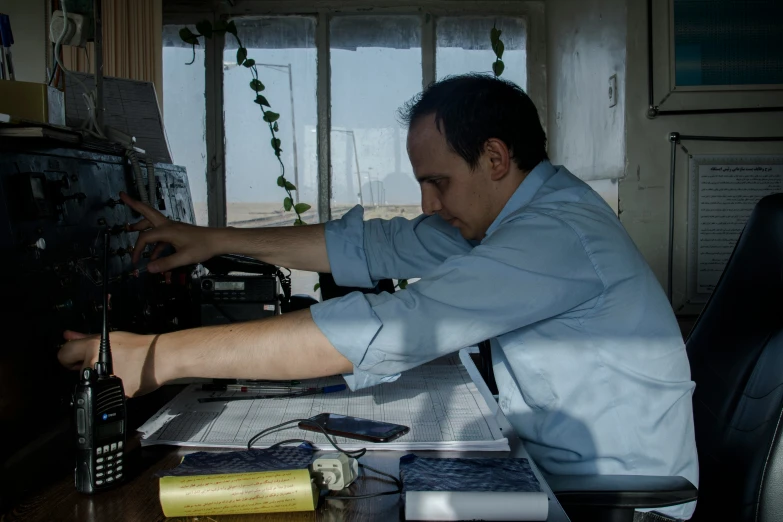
[137,498]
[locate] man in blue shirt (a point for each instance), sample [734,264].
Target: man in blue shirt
[589,361]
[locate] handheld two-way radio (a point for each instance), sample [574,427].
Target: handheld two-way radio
[99,412]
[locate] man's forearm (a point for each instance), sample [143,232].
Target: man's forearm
[288,346]
[301,248]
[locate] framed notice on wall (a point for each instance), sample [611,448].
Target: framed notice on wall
[722,192]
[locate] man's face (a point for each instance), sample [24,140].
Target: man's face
[449,187]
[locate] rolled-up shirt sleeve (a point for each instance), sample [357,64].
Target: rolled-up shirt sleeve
[497,287]
[363,252]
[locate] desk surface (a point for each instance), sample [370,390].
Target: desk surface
[137,499]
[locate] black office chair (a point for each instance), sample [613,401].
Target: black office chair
[736,355]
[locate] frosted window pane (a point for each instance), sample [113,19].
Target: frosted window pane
[376,68]
[184,114]
[284,51]
[463,46]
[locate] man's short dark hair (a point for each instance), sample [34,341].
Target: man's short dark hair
[472,108]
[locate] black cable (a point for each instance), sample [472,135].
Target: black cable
[353,454]
[356,454]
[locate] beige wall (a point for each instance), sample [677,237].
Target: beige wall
[644,191]
[29,49]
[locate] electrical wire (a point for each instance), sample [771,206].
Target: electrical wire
[152,182]
[131,154]
[356,454]
[90,125]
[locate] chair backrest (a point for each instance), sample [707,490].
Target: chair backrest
[330,290]
[736,355]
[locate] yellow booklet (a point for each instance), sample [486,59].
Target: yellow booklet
[238,493]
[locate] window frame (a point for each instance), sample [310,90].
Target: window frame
[181,12]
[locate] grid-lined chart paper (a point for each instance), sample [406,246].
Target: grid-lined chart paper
[438,401]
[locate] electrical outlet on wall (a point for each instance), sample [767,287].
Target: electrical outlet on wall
[613,90]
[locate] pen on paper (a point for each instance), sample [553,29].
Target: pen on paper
[313,391]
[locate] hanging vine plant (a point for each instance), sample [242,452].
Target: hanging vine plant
[497,47]
[207,30]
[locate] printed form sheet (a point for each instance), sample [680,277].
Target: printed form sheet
[439,402]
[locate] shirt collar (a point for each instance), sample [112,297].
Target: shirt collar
[524,194]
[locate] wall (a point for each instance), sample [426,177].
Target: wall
[644,191]
[585,46]
[29,28]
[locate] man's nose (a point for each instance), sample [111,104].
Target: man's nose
[430,203]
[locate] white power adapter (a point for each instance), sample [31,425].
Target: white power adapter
[78,29]
[334,471]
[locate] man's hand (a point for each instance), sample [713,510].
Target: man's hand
[193,244]
[133,358]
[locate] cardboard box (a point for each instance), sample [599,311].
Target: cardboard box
[35,102]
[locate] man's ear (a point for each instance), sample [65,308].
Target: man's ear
[499,158]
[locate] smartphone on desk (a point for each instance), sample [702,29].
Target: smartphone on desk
[356,428]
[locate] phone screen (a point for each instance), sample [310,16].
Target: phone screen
[358,428]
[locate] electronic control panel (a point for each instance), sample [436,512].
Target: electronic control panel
[54,206]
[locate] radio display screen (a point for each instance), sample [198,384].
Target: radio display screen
[110,429]
[229,285]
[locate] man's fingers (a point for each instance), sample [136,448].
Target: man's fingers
[71,354]
[168,263]
[155,217]
[141,226]
[146,238]
[70,335]
[158,250]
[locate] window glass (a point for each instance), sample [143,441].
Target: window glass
[464,46]
[284,51]
[184,113]
[376,68]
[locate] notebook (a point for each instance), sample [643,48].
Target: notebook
[471,489]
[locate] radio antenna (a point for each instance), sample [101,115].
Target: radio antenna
[104,365]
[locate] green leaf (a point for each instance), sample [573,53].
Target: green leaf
[290,186]
[220,25]
[299,223]
[249,63]
[256,85]
[261,100]
[494,35]
[205,27]
[281,181]
[498,67]
[287,204]
[499,48]
[402,283]
[301,208]
[241,55]
[231,28]
[187,36]
[275,127]
[276,143]
[270,116]
[316,287]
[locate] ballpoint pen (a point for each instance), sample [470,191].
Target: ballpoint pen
[250,387]
[313,391]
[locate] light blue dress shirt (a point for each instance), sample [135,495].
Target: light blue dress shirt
[588,358]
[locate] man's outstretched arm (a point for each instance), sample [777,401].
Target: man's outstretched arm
[289,346]
[302,248]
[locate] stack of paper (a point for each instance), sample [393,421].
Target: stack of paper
[438,401]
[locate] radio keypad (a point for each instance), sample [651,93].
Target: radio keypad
[109,463]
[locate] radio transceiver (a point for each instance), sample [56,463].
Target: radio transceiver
[99,412]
